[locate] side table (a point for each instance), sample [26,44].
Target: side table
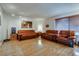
[13,36]
[39,33]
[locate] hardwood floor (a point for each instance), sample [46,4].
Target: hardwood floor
[34,47]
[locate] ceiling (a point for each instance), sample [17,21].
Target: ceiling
[44,10]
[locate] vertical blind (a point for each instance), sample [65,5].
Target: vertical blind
[71,23]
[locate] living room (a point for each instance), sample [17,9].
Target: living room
[38,26]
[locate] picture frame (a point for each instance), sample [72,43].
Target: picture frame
[26,24]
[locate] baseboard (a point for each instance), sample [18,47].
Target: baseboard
[6,40]
[2,41]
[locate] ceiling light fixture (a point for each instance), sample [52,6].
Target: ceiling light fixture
[13,15]
[20,16]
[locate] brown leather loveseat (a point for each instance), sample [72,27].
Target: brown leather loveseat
[50,35]
[62,36]
[26,34]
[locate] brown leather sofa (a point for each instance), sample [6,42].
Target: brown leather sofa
[62,36]
[65,36]
[50,35]
[26,34]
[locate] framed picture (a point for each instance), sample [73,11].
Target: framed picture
[26,24]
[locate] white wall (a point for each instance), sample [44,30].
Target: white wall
[0,27]
[9,21]
[3,27]
[36,22]
[51,23]
[39,22]
[15,21]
